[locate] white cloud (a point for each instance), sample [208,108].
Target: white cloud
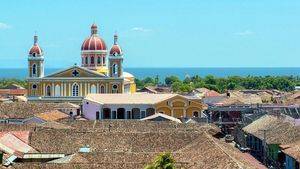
[4,26]
[245,33]
[140,29]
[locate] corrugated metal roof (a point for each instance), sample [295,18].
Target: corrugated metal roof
[11,144]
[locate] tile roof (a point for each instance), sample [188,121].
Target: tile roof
[52,115]
[278,129]
[27,109]
[11,144]
[293,150]
[22,135]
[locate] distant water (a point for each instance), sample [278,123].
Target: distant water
[180,72]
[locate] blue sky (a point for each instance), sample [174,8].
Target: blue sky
[166,33]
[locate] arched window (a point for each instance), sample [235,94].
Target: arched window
[103,60]
[102,89]
[93,89]
[48,91]
[115,89]
[75,90]
[99,60]
[57,90]
[34,54]
[92,60]
[86,60]
[33,69]
[115,70]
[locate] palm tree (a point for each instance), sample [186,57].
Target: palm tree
[162,161]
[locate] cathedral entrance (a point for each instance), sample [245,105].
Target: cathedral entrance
[121,113]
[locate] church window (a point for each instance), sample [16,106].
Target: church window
[34,86]
[93,89]
[86,60]
[102,89]
[57,90]
[114,89]
[34,54]
[92,60]
[75,90]
[99,60]
[48,91]
[115,70]
[33,69]
[75,73]
[103,60]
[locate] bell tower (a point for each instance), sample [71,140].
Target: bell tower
[35,60]
[115,59]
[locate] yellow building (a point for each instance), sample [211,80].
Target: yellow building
[97,73]
[139,105]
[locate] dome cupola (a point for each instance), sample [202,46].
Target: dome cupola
[35,50]
[94,42]
[115,49]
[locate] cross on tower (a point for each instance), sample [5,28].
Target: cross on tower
[75,73]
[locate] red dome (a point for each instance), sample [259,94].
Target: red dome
[115,49]
[35,49]
[93,43]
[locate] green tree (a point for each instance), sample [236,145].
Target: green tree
[162,161]
[210,79]
[171,79]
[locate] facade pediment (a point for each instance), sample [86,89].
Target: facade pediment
[76,71]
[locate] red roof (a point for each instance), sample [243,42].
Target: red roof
[115,49]
[35,49]
[13,91]
[212,93]
[93,43]
[22,135]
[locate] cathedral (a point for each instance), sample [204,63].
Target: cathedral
[97,73]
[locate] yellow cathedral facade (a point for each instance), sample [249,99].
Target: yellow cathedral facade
[97,73]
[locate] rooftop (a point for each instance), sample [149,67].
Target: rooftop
[138,98]
[279,129]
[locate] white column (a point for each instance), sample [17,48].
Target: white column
[65,89]
[44,90]
[111,113]
[52,88]
[97,88]
[184,112]
[61,89]
[172,112]
[85,88]
[89,87]
[70,90]
[80,89]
